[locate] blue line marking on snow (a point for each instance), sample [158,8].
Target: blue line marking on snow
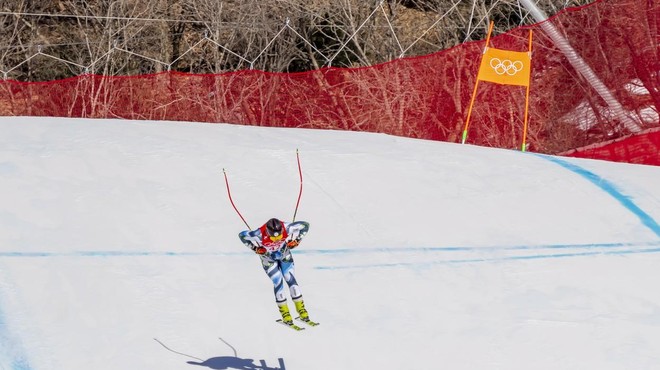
[495,259]
[8,351]
[473,249]
[120,254]
[609,188]
[571,250]
[329,251]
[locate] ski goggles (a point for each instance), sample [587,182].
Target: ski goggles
[276,238]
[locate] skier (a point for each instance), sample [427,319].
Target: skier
[273,243]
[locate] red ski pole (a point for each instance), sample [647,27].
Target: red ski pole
[301,186]
[232,201]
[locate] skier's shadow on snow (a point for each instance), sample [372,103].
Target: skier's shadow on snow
[229,362]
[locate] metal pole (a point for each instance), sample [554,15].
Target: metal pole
[232,201]
[301,186]
[581,66]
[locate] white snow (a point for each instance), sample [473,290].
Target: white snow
[119,250]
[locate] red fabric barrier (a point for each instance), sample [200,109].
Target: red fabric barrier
[424,97]
[641,149]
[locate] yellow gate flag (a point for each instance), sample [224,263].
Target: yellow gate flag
[505,67]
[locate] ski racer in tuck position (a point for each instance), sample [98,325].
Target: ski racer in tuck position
[273,242]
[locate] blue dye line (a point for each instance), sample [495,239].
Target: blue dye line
[610,189]
[304,251]
[121,254]
[325,251]
[8,351]
[591,249]
[480,260]
[474,249]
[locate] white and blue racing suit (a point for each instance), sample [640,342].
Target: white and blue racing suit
[277,261]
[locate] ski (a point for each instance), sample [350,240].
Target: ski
[307,321]
[292,325]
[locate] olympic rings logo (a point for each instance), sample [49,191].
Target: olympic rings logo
[506,66]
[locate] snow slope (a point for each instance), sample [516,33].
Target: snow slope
[119,250]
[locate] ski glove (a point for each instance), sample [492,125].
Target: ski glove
[260,250]
[292,244]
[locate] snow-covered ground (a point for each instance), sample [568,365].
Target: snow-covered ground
[119,250]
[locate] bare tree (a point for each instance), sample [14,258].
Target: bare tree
[129,37]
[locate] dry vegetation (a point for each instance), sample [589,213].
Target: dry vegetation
[54,39]
[424,97]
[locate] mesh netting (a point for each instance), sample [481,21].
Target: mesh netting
[423,97]
[641,149]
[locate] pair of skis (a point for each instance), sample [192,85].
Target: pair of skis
[295,327]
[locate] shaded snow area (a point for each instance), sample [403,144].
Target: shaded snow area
[119,250]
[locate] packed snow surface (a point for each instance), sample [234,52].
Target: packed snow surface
[119,250]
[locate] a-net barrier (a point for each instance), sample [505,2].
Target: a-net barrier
[422,97]
[641,148]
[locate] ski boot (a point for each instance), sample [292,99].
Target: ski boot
[303,315]
[284,311]
[300,307]
[286,317]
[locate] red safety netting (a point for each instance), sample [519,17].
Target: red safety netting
[640,149]
[423,97]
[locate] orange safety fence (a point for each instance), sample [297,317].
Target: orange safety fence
[422,97]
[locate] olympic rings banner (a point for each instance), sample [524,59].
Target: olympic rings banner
[505,67]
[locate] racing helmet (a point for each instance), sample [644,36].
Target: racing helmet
[274,227]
